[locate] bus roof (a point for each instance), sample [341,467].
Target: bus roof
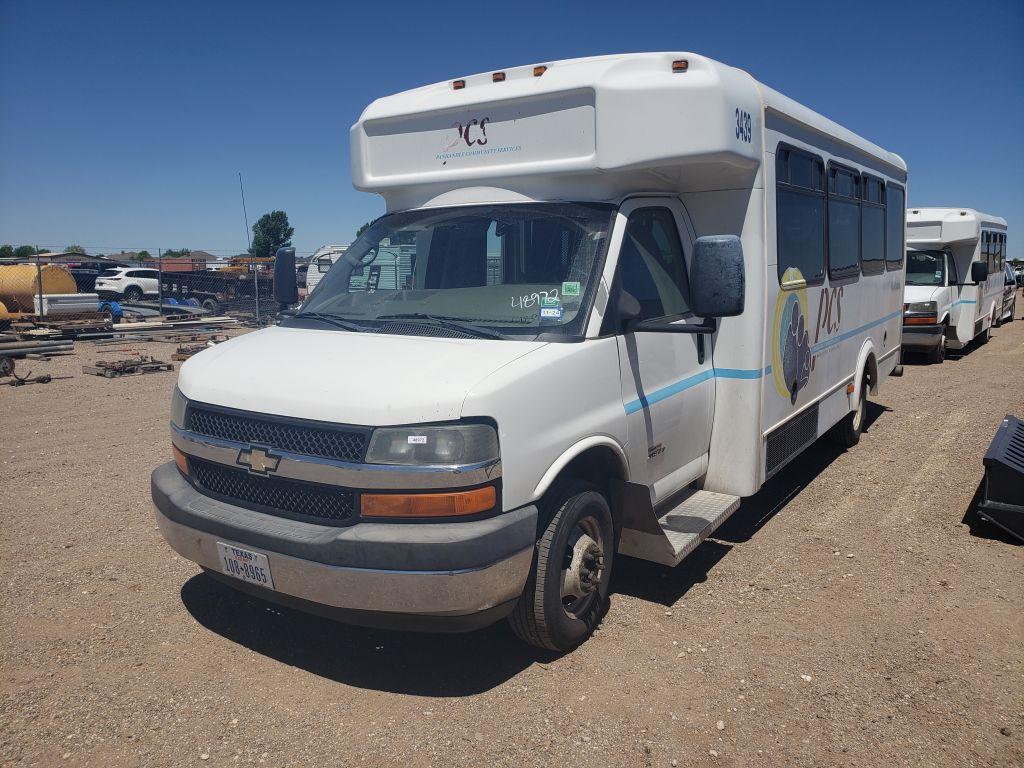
[670,121]
[941,226]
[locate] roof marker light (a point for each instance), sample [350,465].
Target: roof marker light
[680,65]
[539,70]
[458,85]
[498,77]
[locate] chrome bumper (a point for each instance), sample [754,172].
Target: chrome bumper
[417,570]
[439,593]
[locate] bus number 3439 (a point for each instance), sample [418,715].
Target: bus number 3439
[743,129]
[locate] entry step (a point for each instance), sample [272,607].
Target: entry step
[682,528]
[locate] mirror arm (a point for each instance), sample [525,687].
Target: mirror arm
[708,325]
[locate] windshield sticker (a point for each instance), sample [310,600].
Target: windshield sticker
[938,274]
[550,313]
[570,289]
[526,301]
[417,439]
[549,301]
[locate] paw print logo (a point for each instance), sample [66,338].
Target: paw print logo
[792,360]
[796,353]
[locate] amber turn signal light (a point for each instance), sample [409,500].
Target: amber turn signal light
[540,70]
[181,460]
[419,505]
[920,320]
[680,65]
[458,85]
[498,77]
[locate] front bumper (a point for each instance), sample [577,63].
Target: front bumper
[922,336]
[421,576]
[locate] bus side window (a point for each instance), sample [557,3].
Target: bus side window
[800,215]
[895,212]
[872,227]
[844,222]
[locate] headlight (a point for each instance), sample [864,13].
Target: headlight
[922,306]
[460,444]
[178,406]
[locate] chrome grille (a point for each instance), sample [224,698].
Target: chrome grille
[274,495]
[329,442]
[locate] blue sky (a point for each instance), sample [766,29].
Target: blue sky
[123,125]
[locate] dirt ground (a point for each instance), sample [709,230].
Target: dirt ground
[849,614]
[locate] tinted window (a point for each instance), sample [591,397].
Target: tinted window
[895,210]
[843,223]
[800,214]
[651,266]
[872,229]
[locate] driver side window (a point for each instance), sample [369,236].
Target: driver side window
[651,264]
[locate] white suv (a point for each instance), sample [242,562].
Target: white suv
[128,283]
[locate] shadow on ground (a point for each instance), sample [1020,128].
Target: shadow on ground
[466,664]
[398,662]
[983,529]
[659,584]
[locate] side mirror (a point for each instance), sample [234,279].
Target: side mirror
[979,272]
[717,277]
[286,289]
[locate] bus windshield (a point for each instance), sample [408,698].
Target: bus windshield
[926,268]
[518,269]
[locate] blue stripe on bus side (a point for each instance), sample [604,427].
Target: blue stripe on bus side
[739,373]
[691,381]
[962,301]
[850,334]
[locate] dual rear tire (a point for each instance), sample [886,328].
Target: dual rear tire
[848,431]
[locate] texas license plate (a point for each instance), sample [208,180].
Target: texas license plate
[245,564]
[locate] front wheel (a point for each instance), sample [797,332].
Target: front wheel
[938,354]
[566,593]
[132,294]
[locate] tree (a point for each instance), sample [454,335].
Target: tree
[74,249]
[24,251]
[6,251]
[270,233]
[363,228]
[143,256]
[177,254]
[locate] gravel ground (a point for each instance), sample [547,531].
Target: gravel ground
[849,614]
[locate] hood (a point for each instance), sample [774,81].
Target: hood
[914,293]
[349,378]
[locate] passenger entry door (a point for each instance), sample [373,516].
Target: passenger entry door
[667,388]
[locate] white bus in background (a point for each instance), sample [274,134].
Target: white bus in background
[320,264]
[614,295]
[954,288]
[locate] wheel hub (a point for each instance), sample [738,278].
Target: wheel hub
[582,570]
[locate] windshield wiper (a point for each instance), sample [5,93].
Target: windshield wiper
[447,322]
[338,322]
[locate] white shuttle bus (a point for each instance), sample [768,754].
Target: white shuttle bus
[954,291]
[637,287]
[320,264]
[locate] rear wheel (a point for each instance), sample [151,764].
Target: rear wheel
[848,431]
[566,593]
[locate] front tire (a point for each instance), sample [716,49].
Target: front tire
[132,294]
[567,591]
[938,354]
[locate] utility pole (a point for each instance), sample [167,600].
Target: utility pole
[252,262]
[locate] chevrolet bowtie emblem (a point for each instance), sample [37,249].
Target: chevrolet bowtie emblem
[258,460]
